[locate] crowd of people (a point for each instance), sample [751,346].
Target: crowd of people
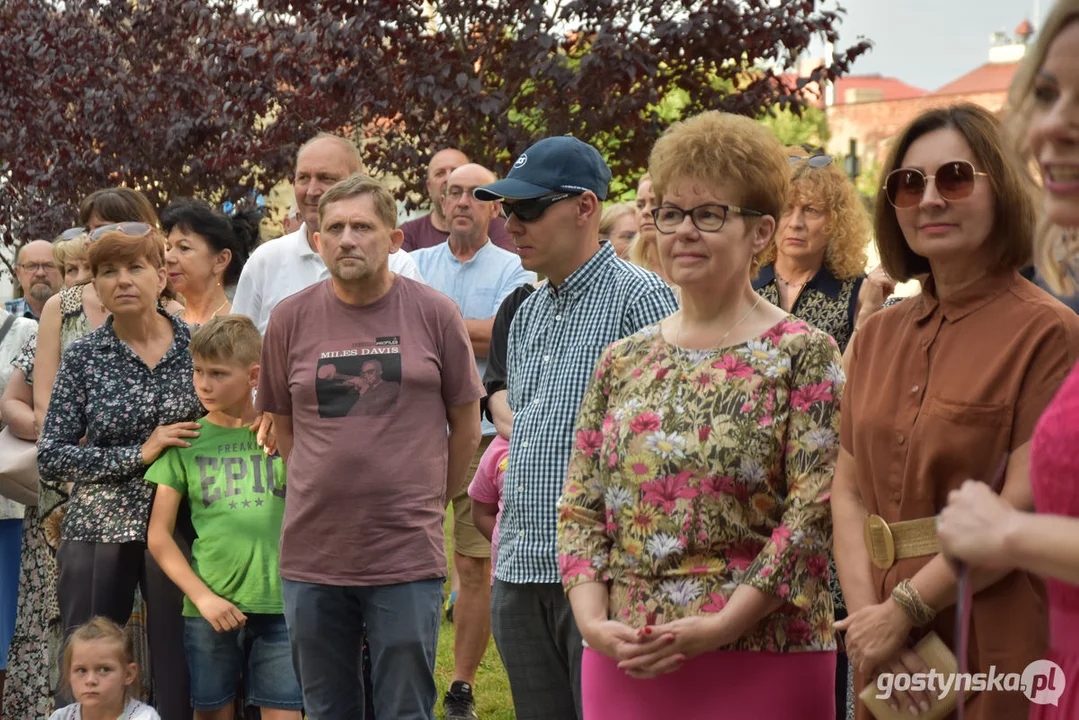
[698,461]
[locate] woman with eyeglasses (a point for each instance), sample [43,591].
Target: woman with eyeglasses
[122,395]
[205,252]
[694,531]
[816,267]
[978,526]
[36,642]
[943,388]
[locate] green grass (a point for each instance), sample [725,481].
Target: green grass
[492,688]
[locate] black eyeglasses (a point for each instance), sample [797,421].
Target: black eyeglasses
[131,229]
[813,161]
[709,217]
[532,209]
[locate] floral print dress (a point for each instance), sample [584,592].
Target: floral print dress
[694,472]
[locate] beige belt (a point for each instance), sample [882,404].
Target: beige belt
[890,542]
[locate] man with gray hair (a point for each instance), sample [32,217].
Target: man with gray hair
[362,540]
[291,263]
[39,278]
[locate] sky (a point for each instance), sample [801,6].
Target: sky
[928,43]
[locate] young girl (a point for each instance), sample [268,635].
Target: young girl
[99,668]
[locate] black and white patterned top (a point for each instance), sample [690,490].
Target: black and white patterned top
[107,394]
[555,340]
[826,303]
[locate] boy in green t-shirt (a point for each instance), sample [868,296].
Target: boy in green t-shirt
[234,619]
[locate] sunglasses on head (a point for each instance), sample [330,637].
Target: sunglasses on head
[131,229]
[70,234]
[813,161]
[531,209]
[906,187]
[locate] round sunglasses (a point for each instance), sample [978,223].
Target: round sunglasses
[906,187]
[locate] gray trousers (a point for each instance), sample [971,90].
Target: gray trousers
[540,647]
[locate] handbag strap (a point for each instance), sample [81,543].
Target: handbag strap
[963,606]
[6,327]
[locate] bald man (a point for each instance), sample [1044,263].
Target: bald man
[477,275]
[291,263]
[433,229]
[39,278]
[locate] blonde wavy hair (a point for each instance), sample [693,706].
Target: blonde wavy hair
[847,225]
[644,252]
[1049,240]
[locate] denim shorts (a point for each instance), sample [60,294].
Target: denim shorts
[259,650]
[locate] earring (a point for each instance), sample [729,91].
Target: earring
[1067,255]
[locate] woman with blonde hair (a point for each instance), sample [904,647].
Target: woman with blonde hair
[815,269]
[643,252]
[978,526]
[618,226]
[693,530]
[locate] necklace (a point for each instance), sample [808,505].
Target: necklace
[790,284]
[684,374]
[211,316]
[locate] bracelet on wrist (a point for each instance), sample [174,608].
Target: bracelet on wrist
[918,611]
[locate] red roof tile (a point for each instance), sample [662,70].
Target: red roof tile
[991,77]
[890,88]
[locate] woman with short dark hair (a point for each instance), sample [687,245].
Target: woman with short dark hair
[122,395]
[945,387]
[205,251]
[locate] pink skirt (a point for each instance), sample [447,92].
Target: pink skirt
[714,686]
[1061,703]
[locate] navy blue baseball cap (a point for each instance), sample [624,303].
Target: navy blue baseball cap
[555,164]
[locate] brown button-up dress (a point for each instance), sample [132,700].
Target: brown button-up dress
[940,392]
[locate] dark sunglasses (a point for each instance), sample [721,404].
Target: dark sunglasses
[813,161]
[131,229]
[906,187]
[70,234]
[532,209]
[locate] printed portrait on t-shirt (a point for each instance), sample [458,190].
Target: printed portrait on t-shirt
[362,379]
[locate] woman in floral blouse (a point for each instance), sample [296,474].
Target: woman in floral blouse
[694,529]
[127,389]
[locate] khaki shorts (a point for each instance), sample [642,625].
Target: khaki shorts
[467,540]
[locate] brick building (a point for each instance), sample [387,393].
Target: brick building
[871,109]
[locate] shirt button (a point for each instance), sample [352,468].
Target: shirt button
[546,358]
[521,533]
[900,439]
[537,401]
[557,317]
[524,443]
[924,343]
[915,389]
[520,488]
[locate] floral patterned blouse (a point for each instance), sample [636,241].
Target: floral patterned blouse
[696,471]
[107,394]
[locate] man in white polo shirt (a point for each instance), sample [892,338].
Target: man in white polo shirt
[289,264]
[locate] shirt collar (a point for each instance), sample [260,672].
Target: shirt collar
[303,248]
[966,301]
[824,281]
[445,248]
[585,276]
[105,336]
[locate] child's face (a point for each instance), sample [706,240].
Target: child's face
[221,385]
[99,676]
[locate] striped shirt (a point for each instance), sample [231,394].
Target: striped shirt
[555,340]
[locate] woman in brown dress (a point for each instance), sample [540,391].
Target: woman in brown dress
[943,388]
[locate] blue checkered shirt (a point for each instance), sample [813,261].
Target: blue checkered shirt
[554,342]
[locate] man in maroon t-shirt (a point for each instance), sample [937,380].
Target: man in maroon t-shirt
[362,373]
[433,228]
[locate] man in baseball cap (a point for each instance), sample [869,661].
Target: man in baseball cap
[552,200]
